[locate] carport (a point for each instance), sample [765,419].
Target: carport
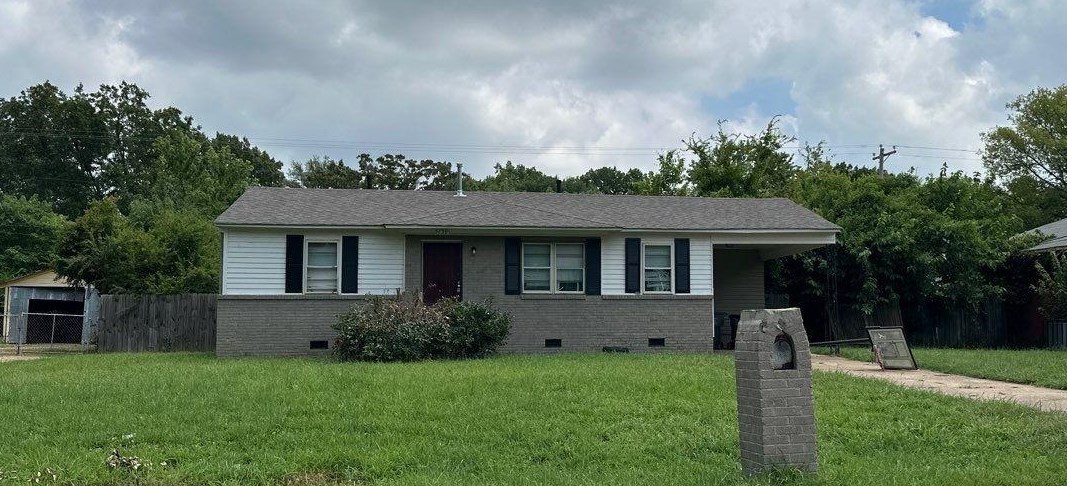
[42,308]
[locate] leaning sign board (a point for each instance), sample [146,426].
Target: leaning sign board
[891,349]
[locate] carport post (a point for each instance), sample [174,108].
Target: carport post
[19,334]
[52,340]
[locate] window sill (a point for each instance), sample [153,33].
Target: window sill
[300,296]
[548,296]
[658,297]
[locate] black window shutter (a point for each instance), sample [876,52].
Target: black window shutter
[349,264]
[633,265]
[681,265]
[294,264]
[592,266]
[512,272]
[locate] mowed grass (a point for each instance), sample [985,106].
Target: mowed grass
[1041,367]
[567,419]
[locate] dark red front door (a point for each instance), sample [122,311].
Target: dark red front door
[442,271]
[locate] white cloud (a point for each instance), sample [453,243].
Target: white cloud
[485,83]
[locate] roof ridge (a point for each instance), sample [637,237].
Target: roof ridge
[561,194]
[509,203]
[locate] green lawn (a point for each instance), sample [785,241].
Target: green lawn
[573,419]
[1040,367]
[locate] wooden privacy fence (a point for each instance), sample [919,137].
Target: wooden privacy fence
[156,323]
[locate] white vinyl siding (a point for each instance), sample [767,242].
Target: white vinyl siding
[381,263]
[612,265]
[254,260]
[254,263]
[613,261]
[701,267]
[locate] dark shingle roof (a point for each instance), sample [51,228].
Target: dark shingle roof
[357,207]
[1058,231]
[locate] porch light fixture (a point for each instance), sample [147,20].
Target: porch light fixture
[474,251]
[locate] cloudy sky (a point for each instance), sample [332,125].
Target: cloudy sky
[566,85]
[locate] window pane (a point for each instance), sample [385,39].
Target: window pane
[570,280]
[535,279]
[322,254]
[570,256]
[658,256]
[657,280]
[536,256]
[322,267]
[322,279]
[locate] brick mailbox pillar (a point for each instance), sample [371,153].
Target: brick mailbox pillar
[775,407]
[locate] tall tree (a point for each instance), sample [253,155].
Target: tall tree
[28,233]
[52,146]
[511,177]
[607,180]
[155,251]
[391,171]
[669,180]
[190,174]
[736,165]
[132,128]
[1032,151]
[266,171]
[325,173]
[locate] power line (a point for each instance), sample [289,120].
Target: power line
[436,147]
[940,149]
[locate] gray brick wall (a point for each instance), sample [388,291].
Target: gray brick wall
[276,325]
[583,323]
[775,408]
[285,325]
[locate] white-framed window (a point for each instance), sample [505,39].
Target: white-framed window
[536,267]
[553,268]
[570,267]
[321,264]
[658,267]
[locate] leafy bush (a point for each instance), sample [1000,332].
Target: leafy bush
[1051,286]
[406,329]
[476,328]
[386,329]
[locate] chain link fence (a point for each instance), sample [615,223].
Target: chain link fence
[31,333]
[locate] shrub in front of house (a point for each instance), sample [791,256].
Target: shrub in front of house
[388,329]
[406,329]
[476,329]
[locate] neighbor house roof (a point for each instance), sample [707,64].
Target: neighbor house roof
[260,206]
[43,278]
[1058,231]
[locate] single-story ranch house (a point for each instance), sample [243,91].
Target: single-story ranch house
[577,272]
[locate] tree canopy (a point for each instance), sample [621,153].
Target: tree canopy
[1031,153]
[120,195]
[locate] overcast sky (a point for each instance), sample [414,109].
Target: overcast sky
[565,86]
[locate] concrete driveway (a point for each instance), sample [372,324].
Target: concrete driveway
[961,386]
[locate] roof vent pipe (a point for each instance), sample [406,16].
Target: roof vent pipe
[559,185]
[459,181]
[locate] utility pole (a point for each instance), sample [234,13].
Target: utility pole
[881,156]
